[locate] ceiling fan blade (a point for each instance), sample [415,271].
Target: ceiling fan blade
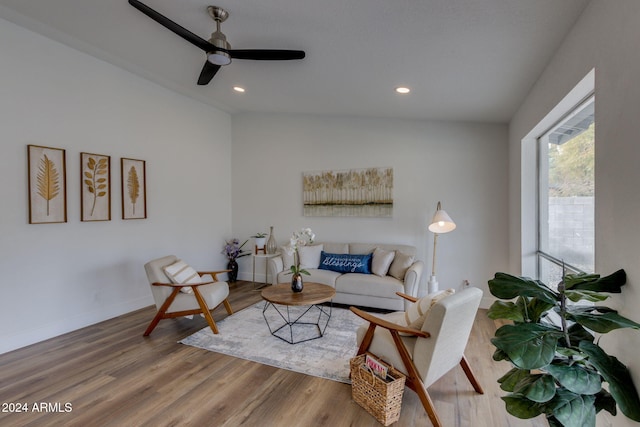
[266,54]
[208,71]
[168,23]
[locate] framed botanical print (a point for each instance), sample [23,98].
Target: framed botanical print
[47,184]
[95,185]
[134,188]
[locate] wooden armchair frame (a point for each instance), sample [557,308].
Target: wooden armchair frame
[204,309]
[414,379]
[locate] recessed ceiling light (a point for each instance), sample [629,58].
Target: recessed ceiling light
[403,90]
[238,89]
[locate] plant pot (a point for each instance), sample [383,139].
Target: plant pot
[260,241]
[296,282]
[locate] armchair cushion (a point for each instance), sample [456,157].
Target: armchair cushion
[400,265]
[381,261]
[417,312]
[181,272]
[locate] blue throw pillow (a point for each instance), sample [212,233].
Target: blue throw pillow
[346,263]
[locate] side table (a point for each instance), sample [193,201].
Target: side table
[266,267]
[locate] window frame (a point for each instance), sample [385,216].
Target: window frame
[540,254]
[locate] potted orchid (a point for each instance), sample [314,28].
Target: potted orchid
[232,249]
[299,238]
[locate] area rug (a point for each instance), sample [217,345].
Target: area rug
[246,335]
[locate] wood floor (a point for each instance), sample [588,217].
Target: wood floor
[110,375]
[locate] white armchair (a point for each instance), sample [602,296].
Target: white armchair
[166,287]
[424,355]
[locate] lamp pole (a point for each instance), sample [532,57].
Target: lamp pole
[432,285]
[441,223]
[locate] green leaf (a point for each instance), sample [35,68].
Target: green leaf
[505,310]
[584,295]
[600,319]
[573,410]
[509,380]
[521,407]
[617,375]
[576,378]
[506,286]
[537,308]
[528,345]
[593,282]
[499,355]
[539,388]
[578,333]
[553,421]
[605,401]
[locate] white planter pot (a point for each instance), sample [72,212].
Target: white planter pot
[260,241]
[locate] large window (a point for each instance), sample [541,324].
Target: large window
[566,195]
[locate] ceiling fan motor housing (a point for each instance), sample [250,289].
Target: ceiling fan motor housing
[218,39]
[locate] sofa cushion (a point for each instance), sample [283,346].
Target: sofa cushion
[309,256]
[346,263]
[400,265]
[381,261]
[181,272]
[367,248]
[324,277]
[370,285]
[417,313]
[336,248]
[287,259]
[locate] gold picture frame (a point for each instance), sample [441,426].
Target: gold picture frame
[95,187]
[47,177]
[134,188]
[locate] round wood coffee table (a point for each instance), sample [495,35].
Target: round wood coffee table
[297,317]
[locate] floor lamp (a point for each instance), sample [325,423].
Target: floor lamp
[440,224]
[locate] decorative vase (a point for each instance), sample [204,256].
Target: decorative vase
[272,246]
[233,266]
[296,282]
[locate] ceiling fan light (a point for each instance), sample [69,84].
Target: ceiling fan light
[219,58]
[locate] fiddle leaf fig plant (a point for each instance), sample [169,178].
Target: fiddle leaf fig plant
[559,369]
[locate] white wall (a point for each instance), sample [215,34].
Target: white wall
[460,164]
[605,38]
[60,277]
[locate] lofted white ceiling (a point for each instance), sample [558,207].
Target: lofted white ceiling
[469,60]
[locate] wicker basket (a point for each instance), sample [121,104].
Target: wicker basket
[381,399]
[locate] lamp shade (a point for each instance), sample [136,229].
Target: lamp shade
[441,222]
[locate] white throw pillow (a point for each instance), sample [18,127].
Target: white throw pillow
[287,259]
[381,261]
[310,256]
[181,272]
[400,265]
[417,312]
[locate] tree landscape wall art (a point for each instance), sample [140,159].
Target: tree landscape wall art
[47,185]
[353,192]
[134,193]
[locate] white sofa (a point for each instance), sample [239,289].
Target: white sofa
[360,289]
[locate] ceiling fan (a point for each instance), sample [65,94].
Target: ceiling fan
[217,48]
